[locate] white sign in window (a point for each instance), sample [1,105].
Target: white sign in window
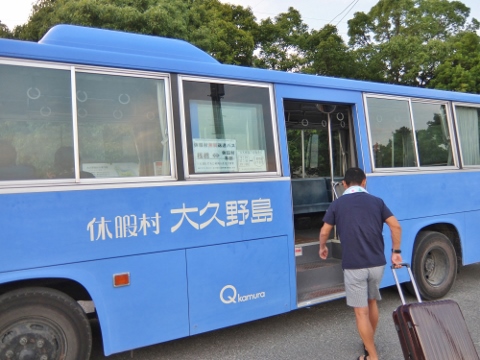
[251,160]
[215,155]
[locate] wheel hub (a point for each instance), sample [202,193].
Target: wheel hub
[29,341]
[436,267]
[429,265]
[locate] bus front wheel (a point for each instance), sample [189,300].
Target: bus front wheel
[434,265]
[42,323]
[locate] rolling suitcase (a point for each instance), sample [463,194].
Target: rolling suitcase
[434,330]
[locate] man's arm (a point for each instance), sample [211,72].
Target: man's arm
[324,235]
[396,233]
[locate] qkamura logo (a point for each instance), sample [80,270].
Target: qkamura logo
[229,295]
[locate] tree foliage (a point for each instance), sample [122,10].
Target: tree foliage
[327,54]
[281,41]
[4,31]
[461,69]
[405,41]
[225,31]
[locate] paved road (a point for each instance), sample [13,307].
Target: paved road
[325,331]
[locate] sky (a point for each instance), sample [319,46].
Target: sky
[315,13]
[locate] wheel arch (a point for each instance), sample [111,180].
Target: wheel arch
[69,287]
[451,232]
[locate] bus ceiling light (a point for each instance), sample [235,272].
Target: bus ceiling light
[122,279]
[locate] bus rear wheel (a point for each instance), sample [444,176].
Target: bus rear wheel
[41,323]
[434,265]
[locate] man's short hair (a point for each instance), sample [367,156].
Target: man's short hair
[354,176]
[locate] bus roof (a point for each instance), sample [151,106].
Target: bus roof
[123,43]
[100,47]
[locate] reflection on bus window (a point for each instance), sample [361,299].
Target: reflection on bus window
[392,134]
[35,120]
[433,137]
[122,126]
[392,126]
[468,124]
[229,128]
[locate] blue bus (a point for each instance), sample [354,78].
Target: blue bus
[146,185]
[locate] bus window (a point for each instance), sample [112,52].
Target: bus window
[122,125]
[433,136]
[468,124]
[229,128]
[391,133]
[393,123]
[35,120]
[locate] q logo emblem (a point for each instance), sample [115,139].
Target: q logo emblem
[228,294]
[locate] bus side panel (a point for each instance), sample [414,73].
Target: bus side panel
[246,281]
[152,309]
[75,226]
[426,194]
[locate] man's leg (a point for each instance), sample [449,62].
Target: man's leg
[366,328]
[373,313]
[374,277]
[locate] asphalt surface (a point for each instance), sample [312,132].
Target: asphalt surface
[325,331]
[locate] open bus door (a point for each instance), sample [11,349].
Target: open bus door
[320,151]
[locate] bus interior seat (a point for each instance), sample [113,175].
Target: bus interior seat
[310,195]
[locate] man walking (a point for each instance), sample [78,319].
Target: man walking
[359,218]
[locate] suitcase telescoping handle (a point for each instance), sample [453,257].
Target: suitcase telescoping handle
[417,294]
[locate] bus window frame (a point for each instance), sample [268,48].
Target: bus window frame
[169,120]
[74,69]
[185,140]
[410,100]
[457,133]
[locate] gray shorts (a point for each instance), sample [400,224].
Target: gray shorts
[363,284]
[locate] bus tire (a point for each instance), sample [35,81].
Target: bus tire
[42,323]
[434,265]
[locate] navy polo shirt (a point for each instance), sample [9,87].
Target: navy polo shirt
[359,218]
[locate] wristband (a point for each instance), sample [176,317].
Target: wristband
[396,251]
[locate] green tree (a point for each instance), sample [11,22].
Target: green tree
[325,53]
[405,41]
[280,42]
[225,31]
[461,69]
[4,31]
[165,18]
